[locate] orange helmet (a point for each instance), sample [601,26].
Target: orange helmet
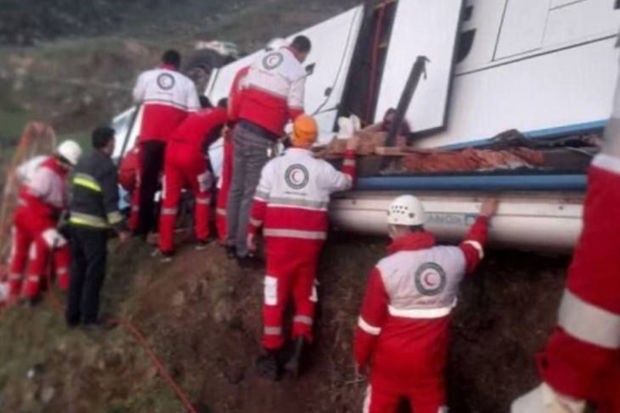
[305,130]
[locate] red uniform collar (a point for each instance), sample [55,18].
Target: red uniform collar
[412,242]
[54,164]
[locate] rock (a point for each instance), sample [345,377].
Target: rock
[223,311]
[178,299]
[47,394]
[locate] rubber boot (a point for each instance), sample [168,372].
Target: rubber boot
[293,365]
[268,365]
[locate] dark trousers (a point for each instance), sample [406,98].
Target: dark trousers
[88,261]
[151,166]
[251,146]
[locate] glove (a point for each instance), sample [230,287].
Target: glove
[543,399]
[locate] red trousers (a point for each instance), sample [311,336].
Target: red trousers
[35,242]
[181,171]
[222,195]
[291,271]
[385,392]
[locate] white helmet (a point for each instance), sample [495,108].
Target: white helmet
[275,44]
[70,150]
[406,210]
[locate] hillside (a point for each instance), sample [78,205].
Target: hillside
[202,315]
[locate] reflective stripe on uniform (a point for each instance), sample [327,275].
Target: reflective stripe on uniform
[588,322]
[261,195]
[294,202]
[114,217]
[53,238]
[348,162]
[272,331]
[203,201]
[169,211]
[86,181]
[292,233]
[87,220]
[34,279]
[304,319]
[477,246]
[421,312]
[62,270]
[366,407]
[368,328]
[607,162]
[220,211]
[256,222]
[15,277]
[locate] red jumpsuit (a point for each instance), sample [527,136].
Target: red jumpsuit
[234,99]
[34,233]
[186,166]
[582,357]
[403,328]
[291,203]
[128,176]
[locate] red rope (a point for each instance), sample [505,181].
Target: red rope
[143,342]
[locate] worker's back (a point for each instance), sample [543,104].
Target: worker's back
[421,286]
[297,187]
[273,91]
[198,130]
[168,96]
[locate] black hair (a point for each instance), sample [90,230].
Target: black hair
[101,136]
[301,44]
[222,103]
[205,103]
[171,57]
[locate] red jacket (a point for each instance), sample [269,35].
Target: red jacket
[273,91]
[293,195]
[167,97]
[405,317]
[45,195]
[197,132]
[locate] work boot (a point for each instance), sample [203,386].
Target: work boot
[203,244]
[268,365]
[231,251]
[293,365]
[250,263]
[164,256]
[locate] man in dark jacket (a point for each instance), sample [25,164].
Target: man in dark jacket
[94,211]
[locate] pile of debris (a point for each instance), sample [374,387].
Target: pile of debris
[509,150]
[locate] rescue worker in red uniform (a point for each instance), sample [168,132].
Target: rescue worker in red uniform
[581,361]
[36,240]
[234,103]
[167,98]
[401,340]
[291,205]
[187,166]
[273,94]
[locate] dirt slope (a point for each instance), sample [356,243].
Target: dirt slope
[202,315]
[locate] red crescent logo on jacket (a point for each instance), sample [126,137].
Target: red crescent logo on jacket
[273,60]
[297,176]
[430,279]
[165,81]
